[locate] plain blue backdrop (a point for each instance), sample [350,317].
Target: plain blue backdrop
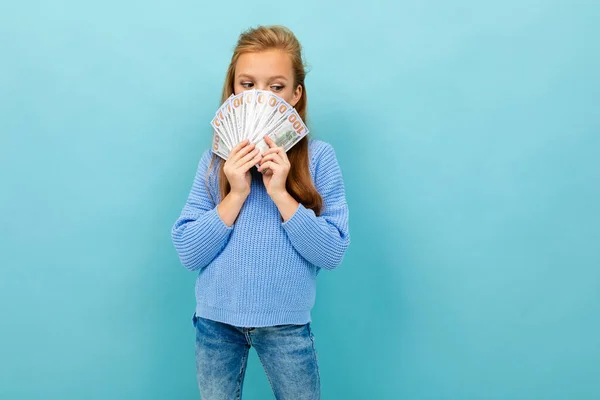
[468,136]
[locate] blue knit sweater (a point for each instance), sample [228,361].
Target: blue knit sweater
[261,271]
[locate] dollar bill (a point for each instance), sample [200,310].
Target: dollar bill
[254,114]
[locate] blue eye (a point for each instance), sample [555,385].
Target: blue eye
[247,84]
[276,88]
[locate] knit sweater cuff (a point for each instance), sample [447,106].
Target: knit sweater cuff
[216,224]
[298,221]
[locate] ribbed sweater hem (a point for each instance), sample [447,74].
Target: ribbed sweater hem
[253,319]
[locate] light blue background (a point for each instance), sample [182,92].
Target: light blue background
[468,135]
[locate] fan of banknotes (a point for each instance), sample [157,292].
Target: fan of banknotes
[252,114]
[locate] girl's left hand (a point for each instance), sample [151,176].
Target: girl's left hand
[275,167]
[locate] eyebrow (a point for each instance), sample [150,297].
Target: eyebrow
[270,78]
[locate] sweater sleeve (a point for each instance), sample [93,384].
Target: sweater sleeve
[199,234]
[322,240]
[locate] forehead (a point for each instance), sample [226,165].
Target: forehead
[264,64]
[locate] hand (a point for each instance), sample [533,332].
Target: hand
[237,167]
[275,167]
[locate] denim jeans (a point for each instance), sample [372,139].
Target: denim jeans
[286,352]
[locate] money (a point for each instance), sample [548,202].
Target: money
[252,115]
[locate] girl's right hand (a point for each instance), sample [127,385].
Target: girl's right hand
[237,166]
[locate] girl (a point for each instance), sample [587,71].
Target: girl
[258,237]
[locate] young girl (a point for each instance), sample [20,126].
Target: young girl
[258,237]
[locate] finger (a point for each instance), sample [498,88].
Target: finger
[242,152]
[272,157]
[270,142]
[268,165]
[240,145]
[273,150]
[245,167]
[249,156]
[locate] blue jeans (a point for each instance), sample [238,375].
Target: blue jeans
[286,352]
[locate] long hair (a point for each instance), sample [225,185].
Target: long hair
[298,184]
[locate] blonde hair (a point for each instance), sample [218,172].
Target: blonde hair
[262,38]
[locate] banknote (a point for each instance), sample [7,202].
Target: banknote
[254,114]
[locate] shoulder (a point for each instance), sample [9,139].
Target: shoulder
[324,166]
[205,159]
[322,155]
[208,159]
[320,152]
[207,171]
